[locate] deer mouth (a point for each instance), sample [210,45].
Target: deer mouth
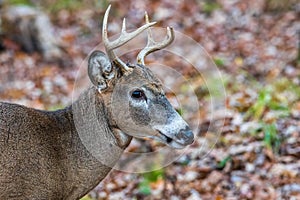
[168,140]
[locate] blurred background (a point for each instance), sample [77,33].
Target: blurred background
[255,45]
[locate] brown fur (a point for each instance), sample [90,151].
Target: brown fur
[41,155]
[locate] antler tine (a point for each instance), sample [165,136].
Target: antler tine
[152,45]
[123,38]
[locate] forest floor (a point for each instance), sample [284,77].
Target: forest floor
[247,148]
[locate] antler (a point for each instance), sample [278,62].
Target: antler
[124,38]
[153,45]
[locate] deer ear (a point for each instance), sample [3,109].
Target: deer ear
[100,70]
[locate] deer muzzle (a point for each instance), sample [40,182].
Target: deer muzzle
[177,140]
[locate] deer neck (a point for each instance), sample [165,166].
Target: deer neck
[93,145]
[93,123]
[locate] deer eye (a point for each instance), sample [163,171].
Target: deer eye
[138,94]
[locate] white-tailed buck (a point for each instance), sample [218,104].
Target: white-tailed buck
[42,154]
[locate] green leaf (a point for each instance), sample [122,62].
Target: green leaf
[209,7]
[180,111]
[278,106]
[223,162]
[219,62]
[153,176]
[271,138]
[65,4]
[86,198]
[144,187]
[259,107]
[20,2]
[150,177]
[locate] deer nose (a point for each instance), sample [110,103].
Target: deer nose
[186,136]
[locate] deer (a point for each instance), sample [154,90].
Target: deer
[42,153]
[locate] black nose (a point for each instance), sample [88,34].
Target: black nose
[186,135]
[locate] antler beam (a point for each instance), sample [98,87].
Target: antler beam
[153,45]
[124,38]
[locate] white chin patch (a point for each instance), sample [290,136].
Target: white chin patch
[176,145]
[172,144]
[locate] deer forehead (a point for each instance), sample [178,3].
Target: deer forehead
[142,76]
[154,88]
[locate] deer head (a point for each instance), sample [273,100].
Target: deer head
[137,103]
